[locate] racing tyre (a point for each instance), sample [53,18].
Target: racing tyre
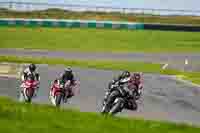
[58,99]
[117,107]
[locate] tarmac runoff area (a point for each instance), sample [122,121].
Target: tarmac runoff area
[10,70]
[164,97]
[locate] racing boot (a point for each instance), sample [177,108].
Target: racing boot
[65,99]
[138,94]
[106,97]
[35,93]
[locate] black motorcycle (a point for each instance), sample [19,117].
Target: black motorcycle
[120,97]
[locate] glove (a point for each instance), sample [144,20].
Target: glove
[62,86]
[37,76]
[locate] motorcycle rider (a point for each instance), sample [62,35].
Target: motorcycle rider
[31,69]
[135,86]
[65,77]
[130,83]
[123,78]
[136,81]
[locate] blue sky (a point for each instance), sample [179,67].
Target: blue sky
[167,4]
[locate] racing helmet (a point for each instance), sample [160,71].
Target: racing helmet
[68,70]
[32,67]
[125,74]
[137,76]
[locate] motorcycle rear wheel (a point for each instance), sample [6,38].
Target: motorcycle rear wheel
[58,99]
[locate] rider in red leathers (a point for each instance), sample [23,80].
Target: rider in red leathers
[31,69]
[135,86]
[136,81]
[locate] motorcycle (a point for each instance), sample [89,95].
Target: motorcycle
[28,88]
[60,93]
[119,99]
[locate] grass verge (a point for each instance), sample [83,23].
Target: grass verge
[34,118]
[61,14]
[100,64]
[194,77]
[107,65]
[99,40]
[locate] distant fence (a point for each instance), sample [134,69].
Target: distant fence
[94,24]
[31,6]
[70,23]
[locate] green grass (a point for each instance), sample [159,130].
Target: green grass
[61,14]
[107,65]
[33,118]
[100,64]
[99,40]
[96,64]
[193,77]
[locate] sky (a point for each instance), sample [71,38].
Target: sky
[158,4]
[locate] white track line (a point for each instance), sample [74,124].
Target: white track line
[185,81]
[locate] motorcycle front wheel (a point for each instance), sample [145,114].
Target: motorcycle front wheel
[117,107]
[58,99]
[28,95]
[108,104]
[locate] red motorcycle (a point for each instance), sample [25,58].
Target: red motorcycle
[28,88]
[60,92]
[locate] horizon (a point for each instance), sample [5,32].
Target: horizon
[156,7]
[157,4]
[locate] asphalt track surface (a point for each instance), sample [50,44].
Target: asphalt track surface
[175,60]
[163,97]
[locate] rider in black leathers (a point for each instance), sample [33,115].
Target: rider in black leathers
[119,79]
[67,75]
[124,82]
[122,79]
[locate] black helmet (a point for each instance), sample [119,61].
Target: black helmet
[125,74]
[68,70]
[32,67]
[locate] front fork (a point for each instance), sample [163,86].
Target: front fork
[106,97]
[23,95]
[52,97]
